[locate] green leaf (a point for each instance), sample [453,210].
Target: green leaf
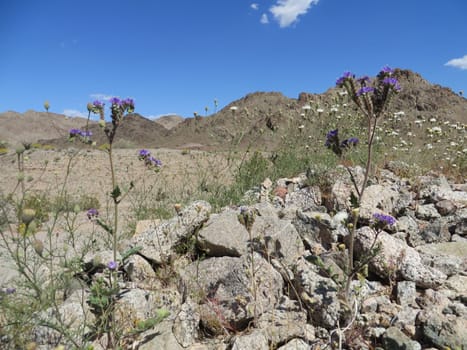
[116,193]
[354,200]
[131,252]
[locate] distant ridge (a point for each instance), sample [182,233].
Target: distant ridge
[259,119]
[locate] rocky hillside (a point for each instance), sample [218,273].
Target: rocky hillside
[260,118]
[272,274]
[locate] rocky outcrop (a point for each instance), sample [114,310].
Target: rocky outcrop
[275,279]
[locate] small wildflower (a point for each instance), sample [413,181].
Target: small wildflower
[115,101]
[387,70]
[74,132]
[92,213]
[343,78]
[364,90]
[149,160]
[392,82]
[112,265]
[10,290]
[363,80]
[320,110]
[306,107]
[143,153]
[353,141]
[382,220]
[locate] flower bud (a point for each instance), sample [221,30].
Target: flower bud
[38,246]
[102,123]
[28,215]
[355,211]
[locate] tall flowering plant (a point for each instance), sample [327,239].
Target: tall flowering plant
[104,295]
[371,96]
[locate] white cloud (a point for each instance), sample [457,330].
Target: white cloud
[101,97]
[74,113]
[460,63]
[264,19]
[254,6]
[286,12]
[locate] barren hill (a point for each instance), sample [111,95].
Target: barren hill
[259,119]
[32,126]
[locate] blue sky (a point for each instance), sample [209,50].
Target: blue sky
[178,56]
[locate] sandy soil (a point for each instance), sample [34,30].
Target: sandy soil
[87,172]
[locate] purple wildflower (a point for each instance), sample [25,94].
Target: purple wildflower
[128,102]
[75,132]
[343,78]
[112,265]
[387,70]
[363,80]
[115,101]
[382,220]
[86,133]
[154,162]
[143,153]
[98,104]
[364,90]
[353,141]
[392,82]
[331,137]
[10,290]
[92,213]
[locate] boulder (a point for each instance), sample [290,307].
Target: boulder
[159,243]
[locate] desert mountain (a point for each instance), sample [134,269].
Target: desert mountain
[258,119]
[31,126]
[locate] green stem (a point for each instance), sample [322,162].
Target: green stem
[115,200]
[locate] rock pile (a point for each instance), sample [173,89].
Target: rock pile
[277,283]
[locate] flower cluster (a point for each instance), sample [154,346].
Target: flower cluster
[120,107]
[96,107]
[380,221]
[149,160]
[92,213]
[112,265]
[332,142]
[79,133]
[370,96]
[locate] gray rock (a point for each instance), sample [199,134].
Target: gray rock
[224,235]
[445,207]
[304,198]
[437,231]
[427,212]
[443,331]
[158,244]
[161,337]
[252,341]
[295,344]
[406,293]
[461,227]
[448,257]
[394,339]
[407,224]
[315,227]
[319,293]
[285,322]
[141,304]
[381,197]
[396,257]
[186,325]
[139,269]
[225,285]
